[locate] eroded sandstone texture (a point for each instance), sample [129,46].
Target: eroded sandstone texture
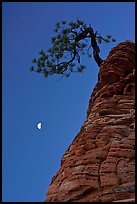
[99,165]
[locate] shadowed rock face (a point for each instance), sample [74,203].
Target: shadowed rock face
[99,165]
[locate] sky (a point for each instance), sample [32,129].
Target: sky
[31,157]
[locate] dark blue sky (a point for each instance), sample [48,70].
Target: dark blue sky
[31,157]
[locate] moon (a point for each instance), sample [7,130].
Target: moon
[39,126]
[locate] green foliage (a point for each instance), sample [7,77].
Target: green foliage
[45,72]
[57,25]
[32,68]
[41,52]
[108,36]
[64,22]
[81,68]
[113,40]
[34,60]
[45,57]
[53,39]
[38,69]
[106,40]
[80,22]
[56,30]
[71,40]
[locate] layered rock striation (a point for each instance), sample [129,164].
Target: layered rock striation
[99,165]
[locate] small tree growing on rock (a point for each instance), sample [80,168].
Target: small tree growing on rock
[72,40]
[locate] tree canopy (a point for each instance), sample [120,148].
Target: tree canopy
[72,40]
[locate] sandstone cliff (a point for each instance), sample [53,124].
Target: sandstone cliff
[99,165]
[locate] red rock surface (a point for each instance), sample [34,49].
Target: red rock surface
[99,165]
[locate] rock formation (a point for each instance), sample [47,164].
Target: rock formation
[99,165]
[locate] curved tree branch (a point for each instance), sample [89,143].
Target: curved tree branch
[96,49]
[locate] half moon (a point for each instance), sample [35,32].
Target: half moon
[39,126]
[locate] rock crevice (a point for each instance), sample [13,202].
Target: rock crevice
[99,165]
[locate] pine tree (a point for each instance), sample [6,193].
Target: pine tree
[72,40]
